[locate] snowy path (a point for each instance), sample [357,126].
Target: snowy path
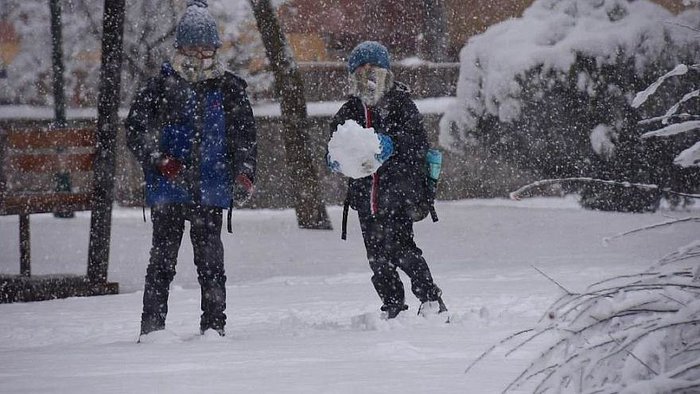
[302,313]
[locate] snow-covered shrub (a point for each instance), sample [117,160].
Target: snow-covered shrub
[637,333]
[633,334]
[539,89]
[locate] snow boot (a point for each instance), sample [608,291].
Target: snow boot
[393,310]
[209,322]
[219,331]
[431,308]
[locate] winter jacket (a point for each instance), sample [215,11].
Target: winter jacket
[208,126]
[399,185]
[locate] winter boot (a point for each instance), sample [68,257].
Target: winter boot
[216,324]
[393,310]
[431,308]
[219,331]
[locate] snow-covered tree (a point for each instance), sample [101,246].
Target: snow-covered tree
[148,38]
[636,333]
[549,89]
[31,21]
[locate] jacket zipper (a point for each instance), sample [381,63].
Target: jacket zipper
[199,113]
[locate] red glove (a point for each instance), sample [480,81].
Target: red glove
[243,189]
[170,167]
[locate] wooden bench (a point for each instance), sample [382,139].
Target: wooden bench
[42,171]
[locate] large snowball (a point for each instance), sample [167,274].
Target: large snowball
[354,148]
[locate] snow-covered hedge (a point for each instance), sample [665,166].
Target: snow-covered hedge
[550,89]
[632,334]
[636,333]
[629,334]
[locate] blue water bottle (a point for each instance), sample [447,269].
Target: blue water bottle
[434,159]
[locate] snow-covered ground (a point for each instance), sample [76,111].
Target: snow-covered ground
[302,312]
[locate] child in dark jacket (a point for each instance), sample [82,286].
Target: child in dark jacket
[389,200]
[192,130]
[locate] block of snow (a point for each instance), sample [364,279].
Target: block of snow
[354,147]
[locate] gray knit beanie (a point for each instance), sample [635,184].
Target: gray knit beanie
[197,27]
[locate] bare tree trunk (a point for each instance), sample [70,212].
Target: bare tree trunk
[309,205]
[435,30]
[107,125]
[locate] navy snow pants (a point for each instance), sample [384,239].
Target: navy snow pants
[205,234]
[389,243]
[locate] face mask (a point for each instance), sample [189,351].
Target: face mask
[370,84]
[194,68]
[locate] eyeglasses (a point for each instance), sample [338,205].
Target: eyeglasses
[366,69]
[370,73]
[201,53]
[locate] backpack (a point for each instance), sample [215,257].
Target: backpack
[426,205]
[421,209]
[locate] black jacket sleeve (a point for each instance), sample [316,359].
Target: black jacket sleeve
[142,122]
[349,110]
[410,138]
[242,128]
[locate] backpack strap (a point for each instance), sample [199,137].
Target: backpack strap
[225,84]
[143,202]
[229,226]
[433,214]
[344,231]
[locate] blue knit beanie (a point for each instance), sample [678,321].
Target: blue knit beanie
[368,52]
[197,27]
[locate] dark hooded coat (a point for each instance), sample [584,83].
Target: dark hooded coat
[400,184]
[208,126]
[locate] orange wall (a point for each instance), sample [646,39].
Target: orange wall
[470,17]
[9,42]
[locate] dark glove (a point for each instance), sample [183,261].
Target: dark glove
[242,190]
[169,166]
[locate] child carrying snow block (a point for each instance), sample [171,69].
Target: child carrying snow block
[378,141]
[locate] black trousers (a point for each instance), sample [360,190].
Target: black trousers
[389,243]
[205,234]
